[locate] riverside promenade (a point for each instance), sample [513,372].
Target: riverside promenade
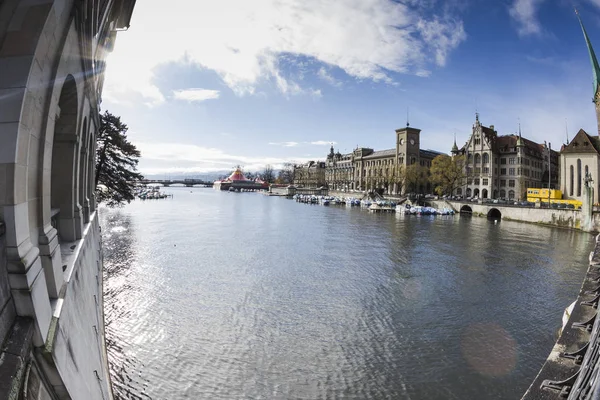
[571,370]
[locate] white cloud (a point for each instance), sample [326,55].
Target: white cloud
[243,41]
[327,77]
[185,158]
[284,144]
[442,36]
[524,13]
[323,143]
[195,94]
[294,144]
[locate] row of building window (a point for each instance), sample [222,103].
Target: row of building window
[484,193]
[485,181]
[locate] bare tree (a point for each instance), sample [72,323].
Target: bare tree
[268,175]
[286,174]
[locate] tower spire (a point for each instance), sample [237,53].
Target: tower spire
[520,139]
[593,59]
[567,130]
[407,117]
[454,146]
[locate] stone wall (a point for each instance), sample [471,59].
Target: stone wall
[7,306]
[572,219]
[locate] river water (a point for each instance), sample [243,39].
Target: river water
[217,295]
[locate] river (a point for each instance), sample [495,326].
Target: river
[218,295]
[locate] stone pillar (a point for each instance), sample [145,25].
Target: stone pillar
[587,206]
[51,260]
[27,281]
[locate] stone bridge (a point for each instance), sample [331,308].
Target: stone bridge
[52,60]
[184,182]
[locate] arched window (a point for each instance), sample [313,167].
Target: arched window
[459,191]
[502,193]
[66,210]
[486,158]
[578,177]
[468,192]
[470,158]
[477,159]
[484,194]
[511,194]
[571,180]
[476,193]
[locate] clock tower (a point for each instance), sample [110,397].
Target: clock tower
[408,145]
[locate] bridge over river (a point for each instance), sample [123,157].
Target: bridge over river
[184,182]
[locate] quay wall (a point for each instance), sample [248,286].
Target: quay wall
[572,219]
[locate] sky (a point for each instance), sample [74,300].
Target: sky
[208,85]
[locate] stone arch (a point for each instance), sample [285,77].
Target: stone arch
[466,210]
[83,170]
[502,193]
[476,192]
[486,158]
[477,159]
[484,194]
[511,194]
[66,212]
[468,192]
[91,184]
[494,214]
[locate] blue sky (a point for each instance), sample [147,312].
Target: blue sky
[207,85]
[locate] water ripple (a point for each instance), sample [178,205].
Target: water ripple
[216,295]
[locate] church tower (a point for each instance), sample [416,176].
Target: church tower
[407,145]
[595,71]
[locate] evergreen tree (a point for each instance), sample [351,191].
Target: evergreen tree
[116,162]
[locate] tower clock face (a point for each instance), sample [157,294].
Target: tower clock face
[412,142]
[401,141]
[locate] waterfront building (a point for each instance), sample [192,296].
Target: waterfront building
[580,158]
[310,174]
[238,181]
[368,170]
[504,166]
[52,61]
[339,171]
